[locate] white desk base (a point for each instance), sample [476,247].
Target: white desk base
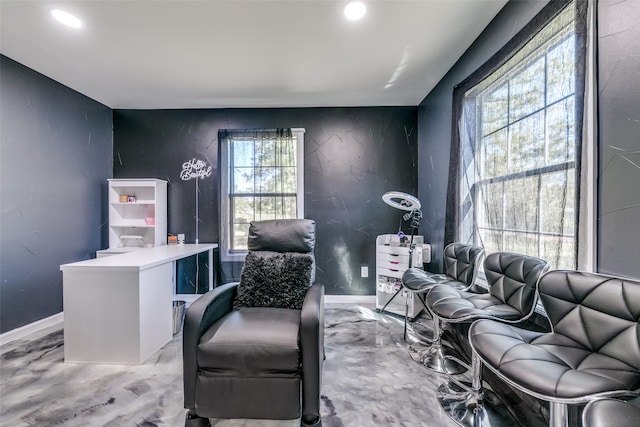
[117,309]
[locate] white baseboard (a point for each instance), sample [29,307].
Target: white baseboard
[31,328]
[349,299]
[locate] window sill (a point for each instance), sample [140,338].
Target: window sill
[233,256]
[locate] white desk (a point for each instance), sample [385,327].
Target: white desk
[117,309]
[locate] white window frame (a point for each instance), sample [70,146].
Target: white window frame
[464,190]
[225,215]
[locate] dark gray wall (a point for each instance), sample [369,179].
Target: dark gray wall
[619,129]
[55,154]
[618,120]
[352,156]
[434,119]
[55,158]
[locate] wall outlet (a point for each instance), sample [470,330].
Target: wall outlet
[364,271]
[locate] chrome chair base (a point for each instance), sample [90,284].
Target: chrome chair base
[421,332]
[434,357]
[471,409]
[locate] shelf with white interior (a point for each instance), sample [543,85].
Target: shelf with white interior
[138,212]
[137,202]
[131,223]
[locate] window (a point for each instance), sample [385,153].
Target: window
[261,178]
[519,132]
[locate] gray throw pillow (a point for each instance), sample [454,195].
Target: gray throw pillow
[273,279]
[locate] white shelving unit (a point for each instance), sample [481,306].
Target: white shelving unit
[392,259]
[143,220]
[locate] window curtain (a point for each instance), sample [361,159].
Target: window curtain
[253,186]
[271,175]
[465,200]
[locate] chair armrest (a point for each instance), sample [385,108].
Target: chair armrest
[201,314]
[312,349]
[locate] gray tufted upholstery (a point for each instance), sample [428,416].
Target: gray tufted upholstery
[461,262]
[512,280]
[611,413]
[593,349]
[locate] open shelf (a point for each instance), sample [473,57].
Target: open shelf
[128,218]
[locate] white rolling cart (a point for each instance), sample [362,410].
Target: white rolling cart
[392,260]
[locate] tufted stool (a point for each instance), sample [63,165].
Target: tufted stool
[461,262]
[512,279]
[611,412]
[592,351]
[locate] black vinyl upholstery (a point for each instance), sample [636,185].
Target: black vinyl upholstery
[461,262]
[512,280]
[611,413]
[256,362]
[593,349]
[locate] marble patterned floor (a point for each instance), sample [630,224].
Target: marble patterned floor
[369,380]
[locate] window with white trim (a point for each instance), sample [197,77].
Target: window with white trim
[261,178]
[519,155]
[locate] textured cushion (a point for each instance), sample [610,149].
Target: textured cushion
[455,305]
[461,261]
[549,365]
[252,342]
[610,412]
[272,279]
[513,278]
[594,347]
[418,280]
[602,313]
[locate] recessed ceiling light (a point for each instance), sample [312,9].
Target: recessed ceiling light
[66,18]
[354,10]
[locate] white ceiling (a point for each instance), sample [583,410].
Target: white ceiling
[148,54]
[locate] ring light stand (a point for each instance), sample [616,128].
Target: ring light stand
[411,205]
[402,201]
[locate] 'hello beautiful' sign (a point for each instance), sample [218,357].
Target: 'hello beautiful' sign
[195,169]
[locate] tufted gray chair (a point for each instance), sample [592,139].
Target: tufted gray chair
[461,264]
[592,351]
[257,362]
[513,280]
[611,413]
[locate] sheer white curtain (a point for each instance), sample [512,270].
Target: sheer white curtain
[517,143]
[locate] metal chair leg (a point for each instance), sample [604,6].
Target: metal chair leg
[434,357]
[424,333]
[558,415]
[467,405]
[384,307]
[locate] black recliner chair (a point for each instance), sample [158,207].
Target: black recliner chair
[255,349]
